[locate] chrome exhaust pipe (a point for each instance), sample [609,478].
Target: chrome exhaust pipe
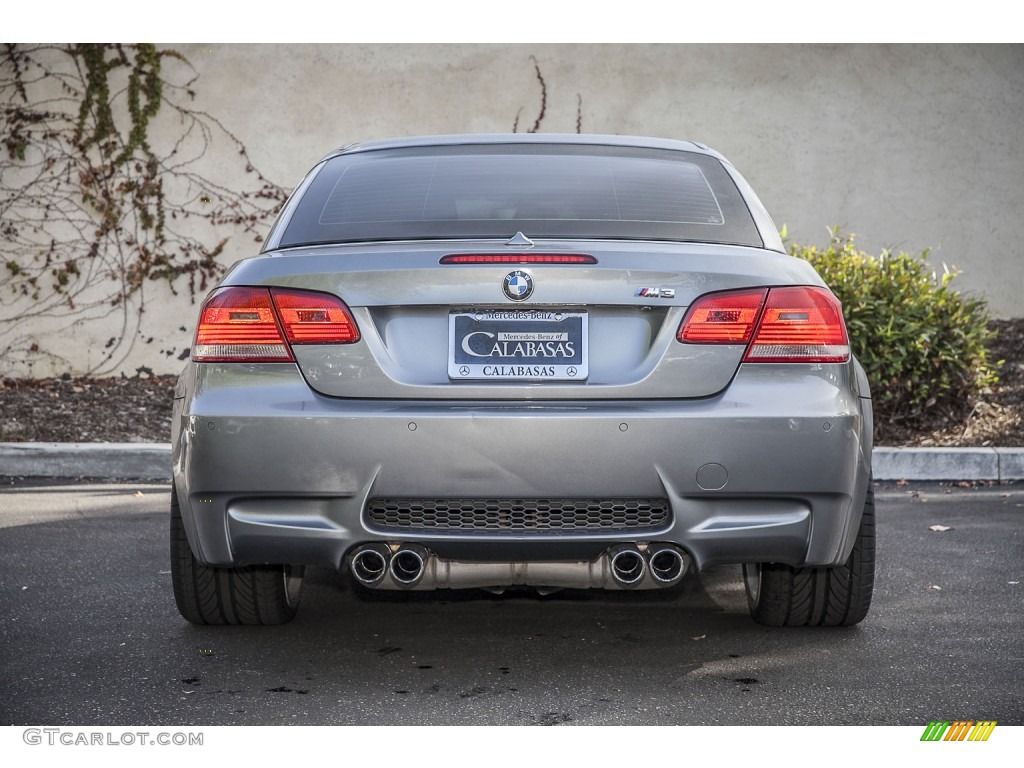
[667,563]
[627,565]
[408,564]
[370,563]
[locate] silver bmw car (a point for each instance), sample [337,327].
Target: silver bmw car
[492,360]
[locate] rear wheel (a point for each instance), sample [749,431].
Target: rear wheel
[783,596]
[253,595]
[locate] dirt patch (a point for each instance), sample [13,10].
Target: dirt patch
[138,409]
[83,410]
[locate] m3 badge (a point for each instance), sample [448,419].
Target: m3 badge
[656,293]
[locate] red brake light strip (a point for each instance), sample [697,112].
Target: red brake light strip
[518,258]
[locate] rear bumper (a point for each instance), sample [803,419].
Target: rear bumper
[774,469]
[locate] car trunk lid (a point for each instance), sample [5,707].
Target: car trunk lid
[413,313]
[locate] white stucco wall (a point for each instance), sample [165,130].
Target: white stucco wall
[908,146]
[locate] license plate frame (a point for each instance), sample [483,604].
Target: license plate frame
[501,340]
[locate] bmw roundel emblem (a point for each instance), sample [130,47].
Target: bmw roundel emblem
[518,285]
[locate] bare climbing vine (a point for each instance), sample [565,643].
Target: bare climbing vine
[542,112]
[95,202]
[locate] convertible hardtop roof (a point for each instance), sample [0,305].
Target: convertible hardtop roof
[526,138]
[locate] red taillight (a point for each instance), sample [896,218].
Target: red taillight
[240,324]
[801,324]
[314,318]
[518,258]
[722,318]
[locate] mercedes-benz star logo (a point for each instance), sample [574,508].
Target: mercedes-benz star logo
[464,370]
[518,285]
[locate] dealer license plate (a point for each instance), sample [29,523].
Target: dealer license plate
[517,345]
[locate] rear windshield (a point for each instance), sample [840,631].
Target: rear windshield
[494,191]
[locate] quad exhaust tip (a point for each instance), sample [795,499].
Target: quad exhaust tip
[668,565]
[627,565]
[379,565]
[408,564]
[370,564]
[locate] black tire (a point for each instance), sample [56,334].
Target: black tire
[253,595]
[783,596]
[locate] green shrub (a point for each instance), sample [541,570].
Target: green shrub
[921,342]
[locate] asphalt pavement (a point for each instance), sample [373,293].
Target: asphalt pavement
[90,635]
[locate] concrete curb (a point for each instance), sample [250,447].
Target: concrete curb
[1002,464]
[143,461]
[152,461]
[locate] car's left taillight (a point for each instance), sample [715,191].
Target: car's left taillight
[257,325]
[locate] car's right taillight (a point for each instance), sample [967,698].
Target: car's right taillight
[796,324]
[802,324]
[723,318]
[257,325]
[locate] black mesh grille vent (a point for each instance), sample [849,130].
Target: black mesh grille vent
[518,515]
